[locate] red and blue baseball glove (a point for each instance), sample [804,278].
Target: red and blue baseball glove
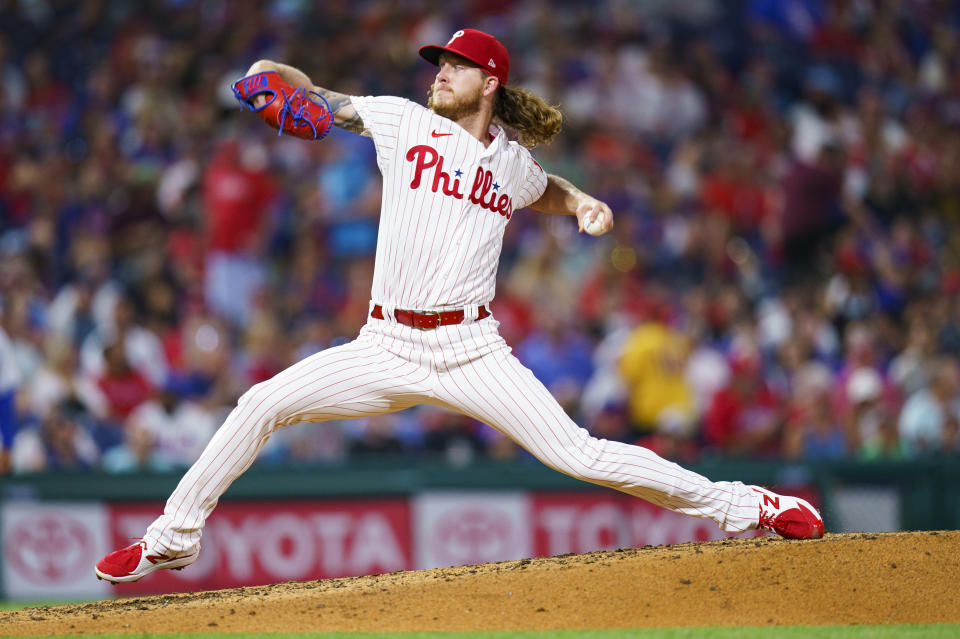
[286,109]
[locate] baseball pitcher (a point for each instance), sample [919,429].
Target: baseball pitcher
[451,183]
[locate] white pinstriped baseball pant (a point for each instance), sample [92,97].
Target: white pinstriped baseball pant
[467,368]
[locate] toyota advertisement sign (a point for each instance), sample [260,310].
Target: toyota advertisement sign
[49,548]
[256,543]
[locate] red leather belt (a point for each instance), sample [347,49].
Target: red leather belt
[427,320]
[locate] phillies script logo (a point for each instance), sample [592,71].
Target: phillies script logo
[484,192]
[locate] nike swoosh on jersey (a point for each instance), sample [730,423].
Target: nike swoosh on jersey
[438,135]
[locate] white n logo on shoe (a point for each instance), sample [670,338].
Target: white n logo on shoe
[155,559]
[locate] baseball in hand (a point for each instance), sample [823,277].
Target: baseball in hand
[594,226]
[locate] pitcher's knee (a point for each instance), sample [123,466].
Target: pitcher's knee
[258,409]
[593,474]
[580,464]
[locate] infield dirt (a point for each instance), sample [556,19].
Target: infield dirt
[889,578]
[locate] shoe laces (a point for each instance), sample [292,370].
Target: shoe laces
[766,520]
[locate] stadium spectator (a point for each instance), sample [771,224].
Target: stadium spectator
[653,364]
[928,422]
[812,429]
[59,442]
[122,389]
[60,379]
[9,383]
[746,417]
[238,191]
[142,349]
[162,433]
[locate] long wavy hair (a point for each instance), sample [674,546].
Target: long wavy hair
[535,121]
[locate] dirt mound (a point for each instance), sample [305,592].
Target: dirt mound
[891,578]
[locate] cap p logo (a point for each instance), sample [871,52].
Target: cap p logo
[476,46]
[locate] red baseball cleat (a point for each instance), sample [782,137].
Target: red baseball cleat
[133,562]
[789,517]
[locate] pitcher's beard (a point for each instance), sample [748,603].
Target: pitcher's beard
[461,106]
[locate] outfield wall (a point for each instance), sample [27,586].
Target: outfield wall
[302,524]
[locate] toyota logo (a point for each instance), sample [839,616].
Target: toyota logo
[472,535]
[49,548]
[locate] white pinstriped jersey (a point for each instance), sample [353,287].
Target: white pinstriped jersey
[447,200]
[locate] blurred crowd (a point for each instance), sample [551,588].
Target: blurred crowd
[782,280]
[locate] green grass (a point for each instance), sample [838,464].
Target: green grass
[935,631]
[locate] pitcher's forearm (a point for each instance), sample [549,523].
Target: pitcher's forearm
[291,75]
[560,197]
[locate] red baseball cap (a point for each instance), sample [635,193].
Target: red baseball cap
[476,46]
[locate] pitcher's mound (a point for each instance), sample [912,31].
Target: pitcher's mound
[889,578]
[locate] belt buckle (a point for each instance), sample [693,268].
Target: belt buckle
[427,328]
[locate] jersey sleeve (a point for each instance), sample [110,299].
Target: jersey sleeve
[534,182]
[381,117]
